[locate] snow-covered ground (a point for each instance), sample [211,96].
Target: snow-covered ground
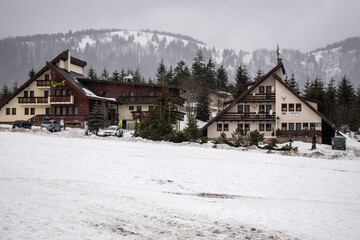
[66,185]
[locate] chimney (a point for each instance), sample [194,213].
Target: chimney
[68,61]
[279,60]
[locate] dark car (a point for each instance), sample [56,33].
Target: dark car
[338,142]
[21,124]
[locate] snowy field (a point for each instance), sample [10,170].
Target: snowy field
[69,186]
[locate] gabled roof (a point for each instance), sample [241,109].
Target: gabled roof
[64,56]
[255,84]
[272,72]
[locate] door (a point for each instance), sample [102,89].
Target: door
[268,110]
[247,111]
[268,92]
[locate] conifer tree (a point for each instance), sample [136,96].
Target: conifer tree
[31,73]
[169,75]
[330,100]
[293,84]
[241,79]
[306,90]
[104,75]
[198,68]
[96,119]
[161,73]
[222,81]
[210,75]
[181,74]
[92,73]
[5,92]
[122,75]
[202,108]
[15,87]
[115,76]
[259,74]
[345,96]
[137,75]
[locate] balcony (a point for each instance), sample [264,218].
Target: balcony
[32,100]
[144,114]
[43,84]
[250,116]
[298,133]
[260,97]
[62,99]
[148,99]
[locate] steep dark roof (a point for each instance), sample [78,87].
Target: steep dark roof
[254,85]
[64,56]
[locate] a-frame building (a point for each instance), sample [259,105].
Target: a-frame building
[273,108]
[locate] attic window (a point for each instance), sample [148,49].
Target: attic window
[291,107]
[261,89]
[298,107]
[47,77]
[284,107]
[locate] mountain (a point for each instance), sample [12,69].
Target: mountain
[116,49]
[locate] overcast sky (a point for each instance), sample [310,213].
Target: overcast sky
[236,24]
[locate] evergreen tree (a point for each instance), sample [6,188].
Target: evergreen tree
[161,73]
[115,76]
[159,124]
[96,119]
[202,108]
[210,75]
[104,75]
[15,87]
[181,73]
[122,75]
[241,79]
[198,68]
[222,81]
[345,96]
[137,75]
[31,73]
[317,92]
[169,75]
[330,100]
[5,92]
[293,84]
[259,75]
[306,90]
[92,73]
[192,131]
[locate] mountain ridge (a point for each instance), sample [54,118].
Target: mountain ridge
[120,48]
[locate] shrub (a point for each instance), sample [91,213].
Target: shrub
[240,138]
[256,137]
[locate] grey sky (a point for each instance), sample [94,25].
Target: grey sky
[246,25]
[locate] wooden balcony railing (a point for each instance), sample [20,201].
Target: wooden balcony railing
[144,114]
[32,100]
[298,133]
[251,116]
[43,83]
[148,99]
[260,97]
[62,99]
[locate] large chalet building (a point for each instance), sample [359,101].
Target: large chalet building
[61,91]
[273,108]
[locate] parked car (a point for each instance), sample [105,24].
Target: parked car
[21,124]
[338,142]
[51,125]
[114,131]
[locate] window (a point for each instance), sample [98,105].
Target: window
[131,108]
[283,126]
[107,94]
[219,127]
[76,111]
[7,111]
[26,94]
[247,127]
[26,111]
[57,92]
[131,93]
[261,108]
[305,126]
[63,92]
[291,107]
[69,92]
[46,93]
[226,127]
[139,93]
[151,108]
[312,126]
[138,108]
[261,89]
[241,126]
[32,111]
[240,108]
[261,127]
[31,93]
[268,127]
[284,107]
[63,110]
[47,111]
[291,126]
[47,77]
[123,94]
[70,111]
[157,93]
[151,94]
[57,110]
[13,111]
[298,126]
[298,107]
